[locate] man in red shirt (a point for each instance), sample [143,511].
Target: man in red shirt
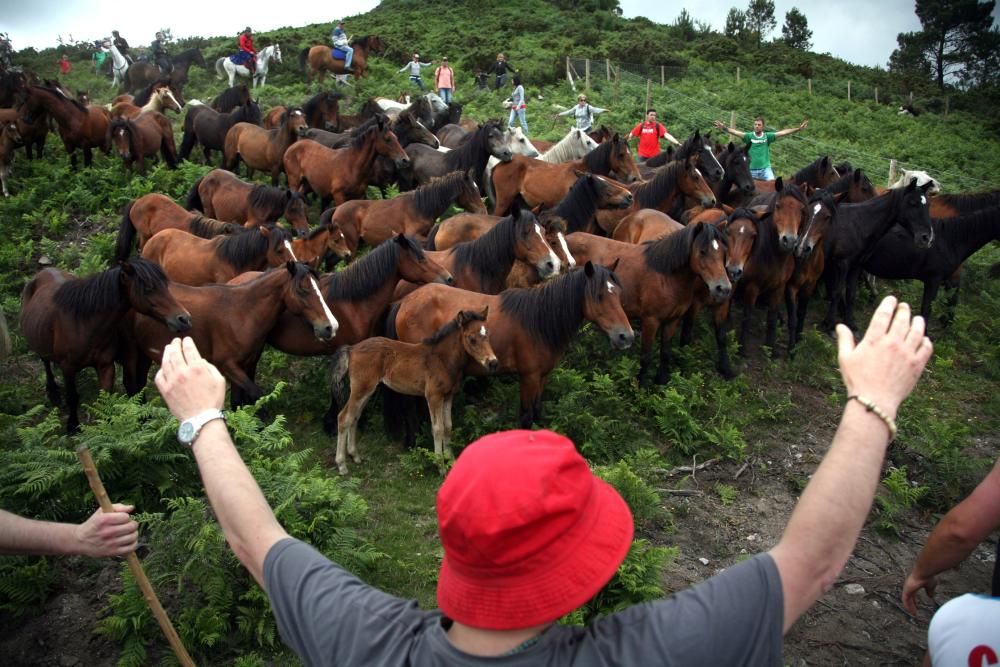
[64,65]
[649,133]
[246,46]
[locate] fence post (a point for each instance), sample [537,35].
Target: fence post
[607,64]
[587,75]
[876,94]
[946,105]
[649,94]
[732,119]
[893,167]
[569,75]
[810,84]
[663,76]
[737,74]
[848,91]
[618,80]
[911,98]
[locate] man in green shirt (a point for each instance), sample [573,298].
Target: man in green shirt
[758,144]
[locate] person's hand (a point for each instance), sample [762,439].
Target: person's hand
[885,365]
[719,124]
[189,384]
[912,586]
[804,125]
[107,533]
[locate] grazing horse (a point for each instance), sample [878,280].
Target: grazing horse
[322,111]
[487,140]
[192,260]
[344,173]
[482,265]
[660,281]
[530,329]
[542,183]
[150,214]
[157,97]
[140,75]
[73,322]
[231,324]
[225,66]
[854,233]
[320,59]
[141,137]
[411,213]
[208,127]
[80,127]
[955,240]
[672,182]
[433,368]
[259,148]
[223,195]
[9,140]
[231,98]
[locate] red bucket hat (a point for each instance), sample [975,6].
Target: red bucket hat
[529,532]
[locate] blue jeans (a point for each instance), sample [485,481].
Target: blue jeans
[349,54]
[501,81]
[417,80]
[445,94]
[519,114]
[764,174]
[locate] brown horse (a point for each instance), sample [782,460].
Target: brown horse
[540,182]
[327,241]
[32,135]
[9,140]
[222,194]
[138,138]
[820,174]
[411,213]
[320,60]
[231,324]
[140,74]
[433,368]
[810,257]
[483,265]
[150,214]
[645,225]
[322,111]
[671,183]
[80,127]
[259,148]
[160,99]
[660,280]
[192,260]
[73,322]
[342,174]
[208,127]
[530,329]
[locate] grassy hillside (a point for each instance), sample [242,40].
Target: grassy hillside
[381,521]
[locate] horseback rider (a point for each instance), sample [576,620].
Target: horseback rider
[159,54]
[121,45]
[248,54]
[342,41]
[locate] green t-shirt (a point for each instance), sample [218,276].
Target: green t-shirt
[760,155]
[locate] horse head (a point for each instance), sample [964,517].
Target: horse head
[602,303]
[741,233]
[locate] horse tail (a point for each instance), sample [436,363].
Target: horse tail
[394,405]
[193,202]
[168,149]
[429,243]
[126,235]
[220,72]
[303,59]
[340,366]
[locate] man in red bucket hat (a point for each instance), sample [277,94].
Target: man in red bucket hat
[530,534]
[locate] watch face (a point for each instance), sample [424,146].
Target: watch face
[186,432]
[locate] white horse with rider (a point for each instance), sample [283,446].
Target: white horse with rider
[224,66]
[119,65]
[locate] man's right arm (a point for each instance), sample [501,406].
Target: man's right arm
[883,368]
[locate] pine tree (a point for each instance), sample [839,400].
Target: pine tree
[796,32]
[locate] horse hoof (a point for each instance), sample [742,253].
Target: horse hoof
[728,373]
[356,458]
[342,469]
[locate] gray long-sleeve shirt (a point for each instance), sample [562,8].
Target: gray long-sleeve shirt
[414,67]
[584,115]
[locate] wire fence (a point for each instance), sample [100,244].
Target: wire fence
[789,154]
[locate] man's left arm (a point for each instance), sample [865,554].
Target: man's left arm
[669,137]
[792,130]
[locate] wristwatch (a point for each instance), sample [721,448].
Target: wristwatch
[189,429]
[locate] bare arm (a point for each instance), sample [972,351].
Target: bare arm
[110,534]
[826,522]
[669,137]
[189,385]
[729,130]
[954,538]
[792,130]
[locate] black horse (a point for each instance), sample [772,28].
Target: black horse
[231,98]
[140,75]
[208,127]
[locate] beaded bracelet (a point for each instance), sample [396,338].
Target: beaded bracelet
[870,406]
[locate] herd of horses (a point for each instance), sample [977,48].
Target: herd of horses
[572,232]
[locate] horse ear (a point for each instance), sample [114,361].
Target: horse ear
[400,239]
[699,228]
[697,134]
[265,232]
[290,265]
[779,184]
[857,175]
[588,269]
[486,312]
[913,184]
[731,147]
[614,264]
[615,138]
[825,161]
[926,186]
[461,319]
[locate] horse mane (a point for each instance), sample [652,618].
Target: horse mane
[232,97]
[842,184]
[580,203]
[598,160]
[649,194]
[362,41]
[961,227]
[243,249]
[465,156]
[970,202]
[809,173]
[452,326]
[360,134]
[371,272]
[142,99]
[102,293]
[432,198]
[767,248]
[246,113]
[53,90]
[491,256]
[128,126]
[207,228]
[267,199]
[553,311]
[671,253]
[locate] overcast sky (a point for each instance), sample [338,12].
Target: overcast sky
[860,31]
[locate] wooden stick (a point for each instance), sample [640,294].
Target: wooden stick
[133,562]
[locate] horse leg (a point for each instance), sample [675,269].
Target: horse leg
[435,404]
[792,307]
[275,174]
[531,392]
[749,301]
[448,454]
[835,292]
[720,323]
[803,308]
[666,342]
[931,287]
[51,388]
[72,402]
[649,327]
[853,276]
[687,326]
[88,157]
[72,159]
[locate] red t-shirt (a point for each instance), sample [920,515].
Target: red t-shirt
[64,66]
[649,138]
